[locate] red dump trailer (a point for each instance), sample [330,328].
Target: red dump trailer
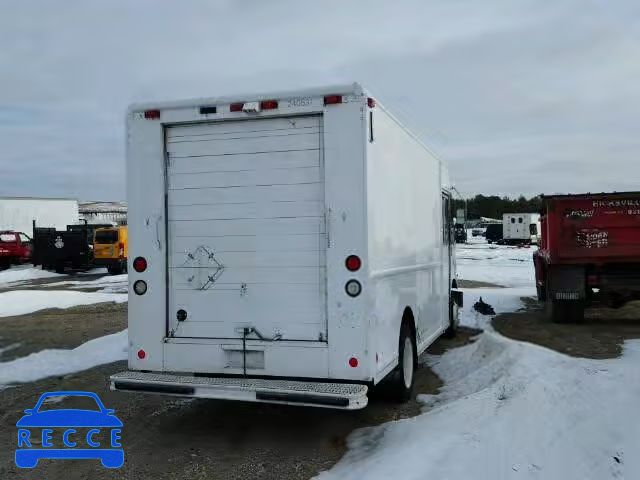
[590,244]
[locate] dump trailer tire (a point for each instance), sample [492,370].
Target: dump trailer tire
[542,292]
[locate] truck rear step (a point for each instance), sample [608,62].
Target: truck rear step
[347,396]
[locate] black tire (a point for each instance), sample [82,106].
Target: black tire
[402,384]
[59,269]
[454,320]
[565,311]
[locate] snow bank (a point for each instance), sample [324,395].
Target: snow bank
[111,284]
[20,302]
[24,273]
[100,282]
[47,363]
[511,410]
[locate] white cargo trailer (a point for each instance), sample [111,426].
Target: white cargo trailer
[18,213]
[520,228]
[291,248]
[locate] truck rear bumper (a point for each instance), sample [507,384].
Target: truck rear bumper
[346,396]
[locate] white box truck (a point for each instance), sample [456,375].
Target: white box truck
[289,248]
[19,213]
[520,228]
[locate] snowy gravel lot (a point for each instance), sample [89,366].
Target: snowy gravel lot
[488,407]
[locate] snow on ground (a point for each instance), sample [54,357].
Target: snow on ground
[24,273]
[508,409]
[111,284]
[497,264]
[20,302]
[47,363]
[511,410]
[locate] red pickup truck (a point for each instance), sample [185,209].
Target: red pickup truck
[15,247]
[589,248]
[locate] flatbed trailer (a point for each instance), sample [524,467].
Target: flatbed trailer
[589,243]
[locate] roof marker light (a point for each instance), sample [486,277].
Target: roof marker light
[332,99]
[268,104]
[152,114]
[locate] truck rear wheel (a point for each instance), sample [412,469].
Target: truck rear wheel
[403,377]
[566,311]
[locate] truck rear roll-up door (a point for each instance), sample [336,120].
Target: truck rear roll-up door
[246,228]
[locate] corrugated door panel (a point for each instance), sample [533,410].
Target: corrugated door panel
[246,228]
[253,193]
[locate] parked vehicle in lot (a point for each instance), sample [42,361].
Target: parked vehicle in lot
[460,233]
[494,233]
[289,251]
[61,249]
[15,247]
[589,242]
[110,249]
[520,228]
[478,231]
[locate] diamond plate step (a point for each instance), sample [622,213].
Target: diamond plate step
[349,396]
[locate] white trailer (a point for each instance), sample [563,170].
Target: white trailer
[290,248]
[18,213]
[520,228]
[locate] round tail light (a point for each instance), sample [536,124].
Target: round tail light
[353,263]
[142,354]
[140,264]
[140,287]
[353,288]
[353,362]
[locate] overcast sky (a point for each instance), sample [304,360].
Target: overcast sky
[518,96]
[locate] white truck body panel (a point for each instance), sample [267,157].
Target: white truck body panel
[246,220]
[521,227]
[19,213]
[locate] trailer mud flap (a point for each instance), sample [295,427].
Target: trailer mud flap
[566,282]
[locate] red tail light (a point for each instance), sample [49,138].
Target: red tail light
[371,103]
[152,114]
[353,263]
[236,107]
[353,362]
[268,104]
[332,99]
[140,264]
[142,354]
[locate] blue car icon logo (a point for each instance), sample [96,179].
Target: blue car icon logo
[69,433]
